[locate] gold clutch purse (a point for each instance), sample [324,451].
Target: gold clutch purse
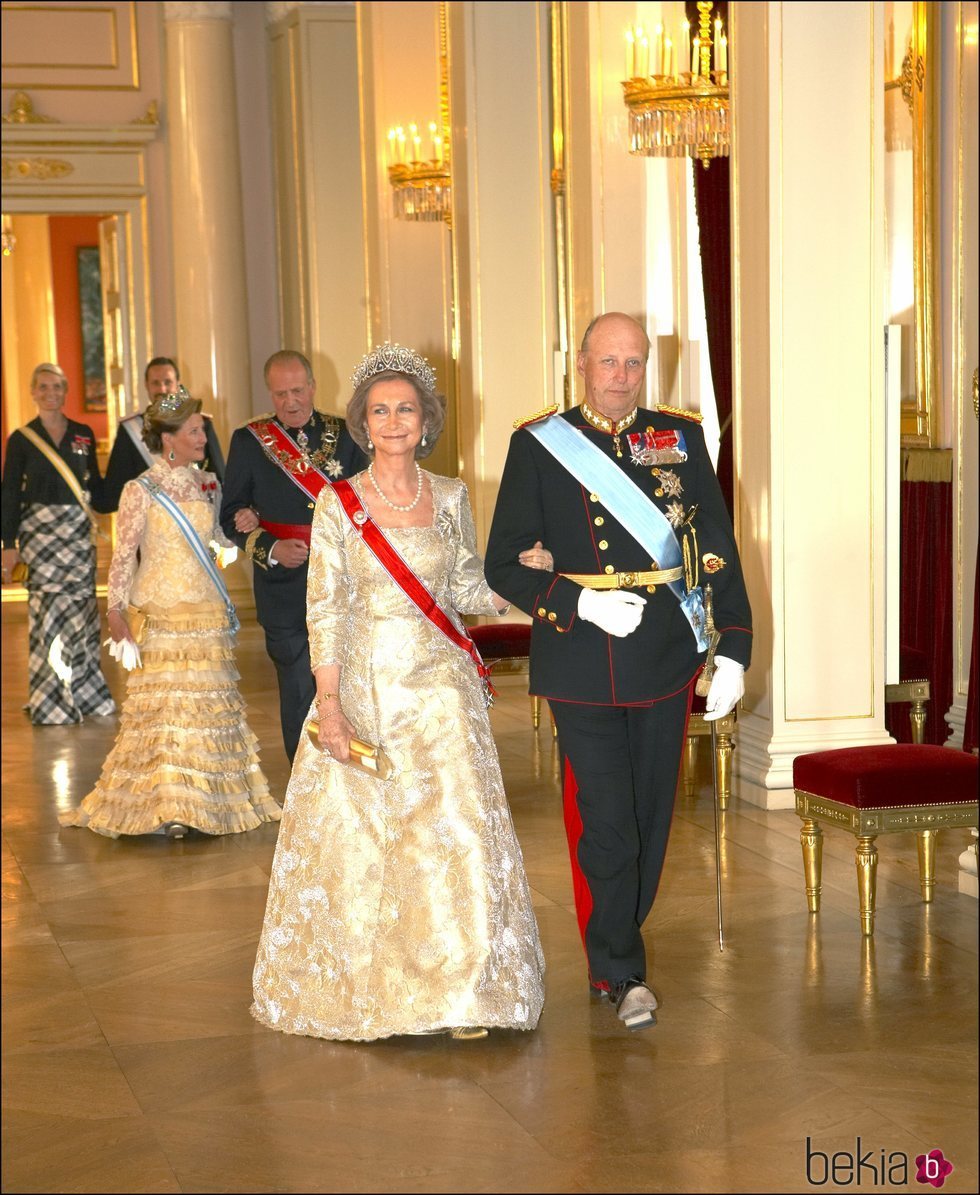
[136,621]
[19,573]
[366,756]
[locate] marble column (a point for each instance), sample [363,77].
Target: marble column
[206,206]
[809,382]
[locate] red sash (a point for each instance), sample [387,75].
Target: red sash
[282,451]
[396,568]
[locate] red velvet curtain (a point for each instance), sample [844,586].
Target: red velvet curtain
[926,604]
[711,197]
[971,732]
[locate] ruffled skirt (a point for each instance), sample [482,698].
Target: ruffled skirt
[184,752]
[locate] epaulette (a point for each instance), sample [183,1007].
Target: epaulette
[263,418]
[543,414]
[694,416]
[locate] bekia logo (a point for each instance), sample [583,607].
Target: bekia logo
[873,1167]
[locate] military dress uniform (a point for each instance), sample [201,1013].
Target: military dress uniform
[620,704]
[126,462]
[255,479]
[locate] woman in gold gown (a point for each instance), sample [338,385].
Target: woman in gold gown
[397,906]
[184,756]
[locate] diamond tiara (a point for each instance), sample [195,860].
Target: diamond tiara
[166,405]
[400,360]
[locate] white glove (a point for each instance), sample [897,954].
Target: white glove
[126,652]
[727,688]
[617,612]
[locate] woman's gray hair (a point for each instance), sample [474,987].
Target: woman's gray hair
[48,367]
[433,410]
[164,415]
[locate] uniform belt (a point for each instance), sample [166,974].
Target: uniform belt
[287,530]
[662,576]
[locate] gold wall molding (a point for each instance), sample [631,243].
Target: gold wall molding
[40,168]
[72,47]
[22,111]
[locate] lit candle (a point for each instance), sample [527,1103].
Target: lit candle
[629,53]
[400,135]
[643,69]
[416,142]
[696,58]
[660,67]
[724,53]
[438,149]
[432,135]
[391,146]
[685,52]
[668,57]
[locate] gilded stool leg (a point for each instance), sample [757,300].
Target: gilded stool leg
[723,756]
[866,858]
[926,841]
[690,763]
[536,712]
[917,716]
[811,838]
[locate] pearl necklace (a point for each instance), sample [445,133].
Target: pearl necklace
[387,501]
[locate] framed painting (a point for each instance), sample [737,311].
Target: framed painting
[93,344]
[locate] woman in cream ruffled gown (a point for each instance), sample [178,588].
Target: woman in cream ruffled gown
[397,906]
[184,756]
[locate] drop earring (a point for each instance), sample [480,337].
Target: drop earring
[425,439]
[171,455]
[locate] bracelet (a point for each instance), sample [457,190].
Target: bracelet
[326,697]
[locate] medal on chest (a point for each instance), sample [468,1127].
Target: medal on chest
[650,447]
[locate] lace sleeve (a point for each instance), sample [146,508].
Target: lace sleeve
[327,587]
[217,535]
[130,523]
[470,591]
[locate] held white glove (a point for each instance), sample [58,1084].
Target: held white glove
[727,688]
[617,612]
[126,652]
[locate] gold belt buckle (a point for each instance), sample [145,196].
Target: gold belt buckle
[627,580]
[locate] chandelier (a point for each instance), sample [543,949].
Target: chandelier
[677,91]
[421,186]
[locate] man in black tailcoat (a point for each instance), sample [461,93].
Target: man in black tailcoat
[130,457]
[258,481]
[612,647]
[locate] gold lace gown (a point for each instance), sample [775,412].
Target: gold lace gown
[398,906]
[184,752]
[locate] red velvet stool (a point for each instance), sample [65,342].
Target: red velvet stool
[697,728]
[913,687]
[882,790]
[506,647]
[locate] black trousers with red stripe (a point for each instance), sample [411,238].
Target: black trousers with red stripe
[621,765]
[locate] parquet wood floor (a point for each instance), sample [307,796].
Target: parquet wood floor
[130,1061]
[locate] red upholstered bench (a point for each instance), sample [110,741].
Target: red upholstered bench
[506,647]
[906,787]
[724,748]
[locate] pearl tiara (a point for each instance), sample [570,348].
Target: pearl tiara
[398,359]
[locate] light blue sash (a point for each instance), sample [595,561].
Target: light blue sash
[628,505]
[197,547]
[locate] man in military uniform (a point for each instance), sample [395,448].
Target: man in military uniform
[619,630]
[130,457]
[277,464]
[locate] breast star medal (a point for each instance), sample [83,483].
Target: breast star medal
[675,514]
[670,484]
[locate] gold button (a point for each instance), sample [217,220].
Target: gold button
[542,611]
[603,544]
[599,521]
[651,589]
[552,617]
[311,506]
[560,630]
[610,569]
[593,497]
